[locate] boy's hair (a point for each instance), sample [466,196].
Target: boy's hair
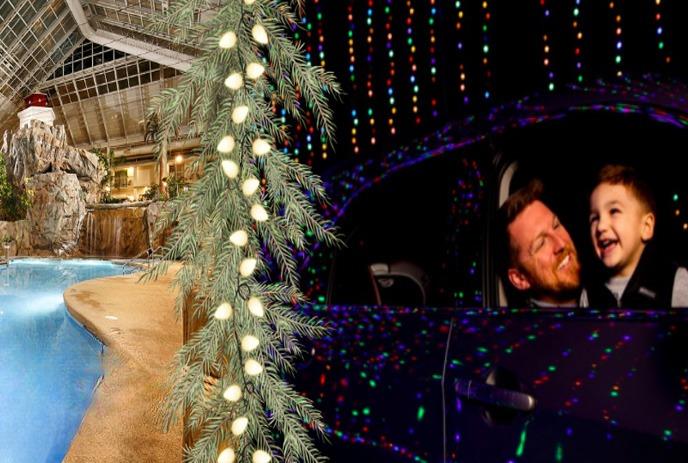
[512,207]
[617,174]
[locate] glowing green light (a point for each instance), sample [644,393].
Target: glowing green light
[370,111]
[551,86]
[482,350]
[660,45]
[484,27]
[675,197]
[409,41]
[667,433]
[421,413]
[559,454]
[321,299]
[522,443]
[552,368]
[580,78]
[372,383]
[431,21]
[351,34]
[486,48]
[461,294]
[618,59]
[614,394]
[531,337]
[354,412]
[309,26]
[366,411]
[387,10]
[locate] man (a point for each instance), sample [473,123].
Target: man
[539,257]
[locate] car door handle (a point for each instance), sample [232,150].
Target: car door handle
[493,395]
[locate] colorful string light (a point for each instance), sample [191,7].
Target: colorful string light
[485,43]
[546,46]
[412,61]
[460,50]
[391,67]
[370,93]
[352,74]
[618,36]
[578,41]
[661,36]
[432,52]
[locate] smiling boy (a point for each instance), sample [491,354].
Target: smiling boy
[622,224]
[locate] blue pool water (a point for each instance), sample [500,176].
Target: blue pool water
[49,364]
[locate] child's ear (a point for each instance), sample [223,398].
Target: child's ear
[518,279]
[647,230]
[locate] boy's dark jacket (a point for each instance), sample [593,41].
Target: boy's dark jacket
[650,286]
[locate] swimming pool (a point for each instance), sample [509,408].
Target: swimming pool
[49,364]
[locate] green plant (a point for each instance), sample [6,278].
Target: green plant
[152,193]
[175,186]
[7,239]
[107,163]
[252,205]
[14,201]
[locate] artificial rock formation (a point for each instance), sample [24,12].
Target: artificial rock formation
[40,148]
[61,181]
[56,213]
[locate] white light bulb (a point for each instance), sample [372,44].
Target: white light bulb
[239,114]
[228,40]
[223,311]
[255,306]
[226,145]
[259,33]
[249,2]
[259,213]
[254,71]
[227,456]
[247,267]
[239,238]
[230,168]
[249,343]
[239,425]
[232,393]
[261,147]
[261,456]
[234,81]
[250,186]
[253,368]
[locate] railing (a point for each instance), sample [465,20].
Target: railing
[148,253]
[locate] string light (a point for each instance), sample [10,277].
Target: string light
[230,168]
[370,94]
[433,58]
[391,68]
[261,456]
[232,393]
[254,70]
[223,311]
[250,186]
[412,61]
[252,367]
[234,81]
[261,147]
[618,37]
[226,145]
[239,238]
[546,47]
[321,55]
[228,40]
[460,49]
[255,306]
[239,425]
[352,75]
[659,32]
[259,213]
[226,456]
[247,267]
[239,114]
[577,51]
[259,34]
[249,2]
[249,343]
[485,42]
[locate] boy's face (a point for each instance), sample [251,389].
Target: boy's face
[619,226]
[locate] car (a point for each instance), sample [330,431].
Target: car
[428,361]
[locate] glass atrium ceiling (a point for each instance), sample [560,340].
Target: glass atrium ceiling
[94,58]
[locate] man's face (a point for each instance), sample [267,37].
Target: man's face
[547,262]
[619,227]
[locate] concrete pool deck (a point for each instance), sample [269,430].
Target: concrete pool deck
[136,322]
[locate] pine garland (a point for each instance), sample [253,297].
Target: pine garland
[239,227]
